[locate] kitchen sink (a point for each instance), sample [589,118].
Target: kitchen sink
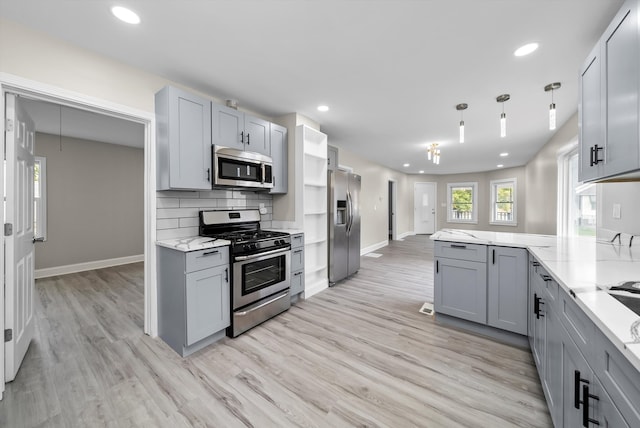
[630,302]
[627,293]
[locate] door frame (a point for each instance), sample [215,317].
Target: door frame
[394,210]
[435,204]
[45,92]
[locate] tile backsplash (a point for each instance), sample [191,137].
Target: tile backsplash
[177,211]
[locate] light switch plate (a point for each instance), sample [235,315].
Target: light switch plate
[616,211]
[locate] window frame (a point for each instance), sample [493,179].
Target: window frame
[494,196]
[474,202]
[40,209]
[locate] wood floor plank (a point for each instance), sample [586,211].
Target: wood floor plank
[357,354]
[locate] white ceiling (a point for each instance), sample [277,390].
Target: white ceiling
[391,71]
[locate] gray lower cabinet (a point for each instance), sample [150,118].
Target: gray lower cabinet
[507,289]
[585,379]
[193,297]
[460,284]
[297,264]
[183,140]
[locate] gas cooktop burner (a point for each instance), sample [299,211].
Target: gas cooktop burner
[251,236]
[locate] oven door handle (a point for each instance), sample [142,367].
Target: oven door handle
[266,253]
[261,305]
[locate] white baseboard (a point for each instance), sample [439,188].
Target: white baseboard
[404,235]
[311,289]
[373,247]
[81,267]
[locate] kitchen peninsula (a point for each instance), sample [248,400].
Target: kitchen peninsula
[585,342]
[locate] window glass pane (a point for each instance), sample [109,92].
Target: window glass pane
[581,204]
[503,202]
[462,203]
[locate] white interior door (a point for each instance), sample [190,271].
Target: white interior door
[424,211]
[19,282]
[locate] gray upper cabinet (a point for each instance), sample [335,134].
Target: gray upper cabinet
[507,289]
[590,118]
[609,91]
[238,130]
[183,140]
[332,158]
[279,155]
[621,54]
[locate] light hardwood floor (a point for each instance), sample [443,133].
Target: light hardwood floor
[358,354]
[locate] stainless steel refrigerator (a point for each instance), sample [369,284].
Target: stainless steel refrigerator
[344,224]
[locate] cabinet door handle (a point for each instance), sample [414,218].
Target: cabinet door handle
[494,256]
[209,175]
[242,137]
[537,301]
[535,263]
[577,379]
[210,253]
[297,274]
[458,246]
[591,150]
[545,278]
[226,274]
[437,266]
[248,138]
[297,251]
[585,406]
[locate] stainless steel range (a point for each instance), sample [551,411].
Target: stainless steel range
[260,266]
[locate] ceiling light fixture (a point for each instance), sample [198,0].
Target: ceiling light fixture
[552,106]
[323,108]
[405,165]
[125,15]
[499,165]
[503,117]
[505,154]
[526,49]
[421,171]
[433,153]
[461,108]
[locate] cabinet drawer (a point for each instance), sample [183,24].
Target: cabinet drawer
[461,251]
[548,286]
[204,259]
[297,282]
[578,324]
[620,379]
[297,240]
[297,259]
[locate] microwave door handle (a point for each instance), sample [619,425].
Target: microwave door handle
[264,173]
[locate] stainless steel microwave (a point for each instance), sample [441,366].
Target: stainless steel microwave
[237,168]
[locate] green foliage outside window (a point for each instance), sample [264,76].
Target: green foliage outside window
[462,199]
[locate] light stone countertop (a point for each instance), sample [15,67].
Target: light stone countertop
[193,243]
[289,231]
[584,265]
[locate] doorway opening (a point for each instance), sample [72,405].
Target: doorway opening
[393,230]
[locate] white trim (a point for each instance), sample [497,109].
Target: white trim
[374,247]
[474,202]
[38,90]
[492,185]
[82,267]
[405,234]
[562,212]
[41,212]
[394,208]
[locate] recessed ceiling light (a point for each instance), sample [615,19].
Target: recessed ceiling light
[505,154]
[323,108]
[526,49]
[500,166]
[405,165]
[421,172]
[125,15]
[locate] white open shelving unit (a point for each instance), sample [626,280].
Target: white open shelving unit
[311,208]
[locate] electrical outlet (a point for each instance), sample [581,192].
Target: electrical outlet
[616,211]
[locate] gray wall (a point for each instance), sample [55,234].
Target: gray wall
[628,196]
[95,201]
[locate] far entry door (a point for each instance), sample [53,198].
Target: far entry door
[424,211]
[19,261]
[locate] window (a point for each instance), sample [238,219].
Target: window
[461,202]
[576,200]
[503,202]
[40,197]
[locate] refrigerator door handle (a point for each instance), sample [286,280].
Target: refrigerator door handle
[349,213]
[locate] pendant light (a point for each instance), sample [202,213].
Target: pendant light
[433,153]
[503,117]
[461,108]
[552,106]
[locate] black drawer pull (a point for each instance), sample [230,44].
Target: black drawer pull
[226,274]
[458,246]
[535,263]
[585,406]
[210,253]
[494,256]
[297,251]
[437,266]
[545,278]
[537,301]
[297,274]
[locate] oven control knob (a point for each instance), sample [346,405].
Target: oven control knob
[254,246]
